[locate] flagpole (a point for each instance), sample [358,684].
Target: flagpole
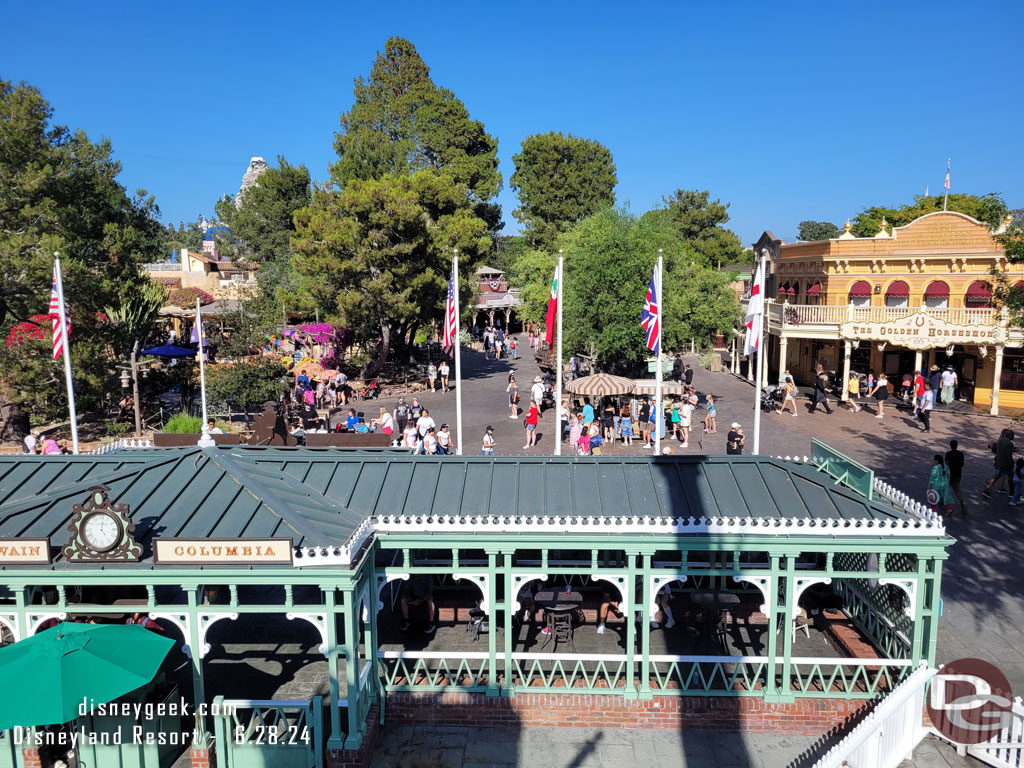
[458,358]
[558,363]
[205,441]
[67,356]
[659,416]
[760,356]
[945,198]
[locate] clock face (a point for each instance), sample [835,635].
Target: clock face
[101,531]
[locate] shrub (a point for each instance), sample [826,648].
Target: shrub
[183,424]
[186,297]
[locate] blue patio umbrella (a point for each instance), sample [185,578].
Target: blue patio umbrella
[169,350]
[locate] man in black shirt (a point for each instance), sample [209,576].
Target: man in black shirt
[955,463]
[734,440]
[820,392]
[645,419]
[688,375]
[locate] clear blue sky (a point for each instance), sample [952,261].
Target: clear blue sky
[787,110]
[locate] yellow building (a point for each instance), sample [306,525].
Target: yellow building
[906,299]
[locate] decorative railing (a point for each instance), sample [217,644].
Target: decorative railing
[591,673]
[122,444]
[1006,748]
[708,675]
[887,736]
[813,676]
[837,314]
[434,670]
[253,731]
[921,511]
[890,638]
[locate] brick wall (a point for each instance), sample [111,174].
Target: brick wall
[357,758]
[804,716]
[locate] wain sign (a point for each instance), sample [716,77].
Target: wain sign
[24,552]
[174,551]
[921,331]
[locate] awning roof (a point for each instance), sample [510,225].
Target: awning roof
[979,289]
[860,288]
[330,498]
[814,290]
[898,289]
[936,288]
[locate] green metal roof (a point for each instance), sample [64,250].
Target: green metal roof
[324,497]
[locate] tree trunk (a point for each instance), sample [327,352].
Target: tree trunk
[13,422]
[382,355]
[135,389]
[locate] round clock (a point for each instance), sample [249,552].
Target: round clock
[101,531]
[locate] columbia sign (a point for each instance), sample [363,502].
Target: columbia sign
[970,702]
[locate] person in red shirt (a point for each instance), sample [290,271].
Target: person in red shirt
[918,392]
[532,416]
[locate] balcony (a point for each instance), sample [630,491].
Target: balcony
[831,317]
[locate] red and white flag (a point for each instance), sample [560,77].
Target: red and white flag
[946,182]
[552,319]
[755,315]
[56,310]
[450,338]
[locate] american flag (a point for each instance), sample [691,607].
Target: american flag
[650,319]
[450,325]
[55,312]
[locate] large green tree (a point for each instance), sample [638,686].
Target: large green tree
[377,254]
[817,230]
[989,209]
[59,192]
[560,180]
[695,219]
[401,122]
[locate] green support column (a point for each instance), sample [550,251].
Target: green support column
[354,738]
[931,605]
[917,638]
[200,737]
[787,632]
[772,607]
[510,608]
[645,630]
[330,605]
[493,689]
[630,690]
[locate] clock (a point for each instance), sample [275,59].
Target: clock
[101,531]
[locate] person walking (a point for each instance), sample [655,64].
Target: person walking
[688,375]
[949,382]
[645,422]
[1018,481]
[1003,462]
[532,417]
[537,392]
[424,424]
[925,407]
[955,464]
[710,425]
[575,430]
[411,438]
[513,395]
[487,444]
[820,392]
[432,377]
[939,494]
[880,392]
[788,395]
[626,426]
[852,391]
[608,422]
[401,414]
[677,421]
[443,370]
[685,420]
[445,444]
[734,440]
[588,413]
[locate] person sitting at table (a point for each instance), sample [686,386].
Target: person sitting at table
[527,604]
[418,590]
[351,421]
[664,602]
[143,620]
[610,604]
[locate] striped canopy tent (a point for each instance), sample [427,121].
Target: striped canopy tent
[600,385]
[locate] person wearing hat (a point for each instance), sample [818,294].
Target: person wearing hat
[487,448]
[949,382]
[734,440]
[935,378]
[537,392]
[32,442]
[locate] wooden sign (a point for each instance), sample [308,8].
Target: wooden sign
[921,331]
[172,551]
[24,551]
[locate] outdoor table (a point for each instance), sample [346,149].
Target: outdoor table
[559,607]
[712,603]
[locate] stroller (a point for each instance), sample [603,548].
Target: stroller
[771,398]
[371,391]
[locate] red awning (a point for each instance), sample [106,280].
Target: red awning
[784,288]
[980,290]
[898,290]
[937,289]
[1019,284]
[814,290]
[860,288]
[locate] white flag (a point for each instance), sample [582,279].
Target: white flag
[755,315]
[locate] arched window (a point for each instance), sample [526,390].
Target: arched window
[897,294]
[814,293]
[860,294]
[979,295]
[936,295]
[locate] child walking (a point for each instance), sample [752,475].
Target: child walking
[710,426]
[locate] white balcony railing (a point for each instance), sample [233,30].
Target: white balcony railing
[834,315]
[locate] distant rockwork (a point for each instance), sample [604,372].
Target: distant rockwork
[257,165]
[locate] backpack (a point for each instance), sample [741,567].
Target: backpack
[596,442]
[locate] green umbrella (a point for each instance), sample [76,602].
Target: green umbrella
[59,668]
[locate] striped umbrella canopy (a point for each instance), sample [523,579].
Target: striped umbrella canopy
[601,384]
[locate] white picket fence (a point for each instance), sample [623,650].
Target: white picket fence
[1012,736]
[887,736]
[122,444]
